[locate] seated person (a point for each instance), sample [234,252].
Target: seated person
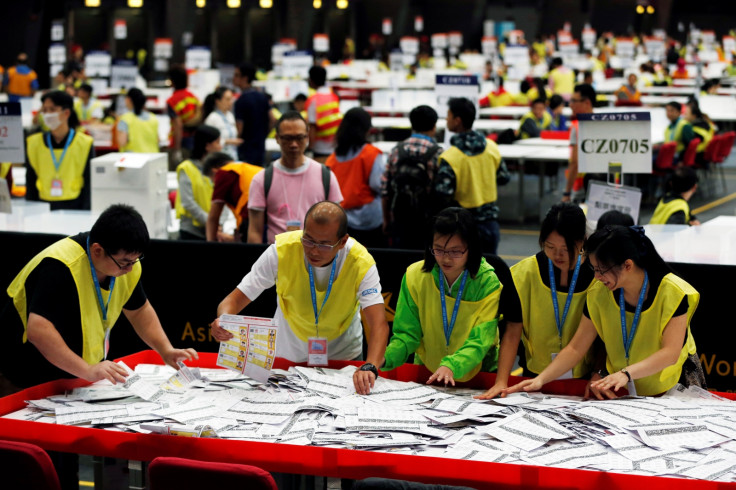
[629,92]
[535,121]
[463,340]
[703,128]
[497,98]
[559,121]
[673,208]
[679,130]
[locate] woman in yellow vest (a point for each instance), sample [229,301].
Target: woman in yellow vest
[673,208]
[703,128]
[194,196]
[552,287]
[535,121]
[58,160]
[456,280]
[137,129]
[641,311]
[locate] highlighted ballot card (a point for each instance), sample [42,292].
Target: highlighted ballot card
[252,349]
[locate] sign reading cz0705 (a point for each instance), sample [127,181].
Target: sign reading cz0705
[615,137]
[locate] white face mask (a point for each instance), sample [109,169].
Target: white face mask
[51,119]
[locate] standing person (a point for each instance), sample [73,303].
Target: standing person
[673,208]
[137,129]
[184,111]
[323,115]
[641,311]
[467,172]
[358,167]
[58,160]
[561,79]
[582,102]
[20,81]
[280,196]
[231,186]
[551,285]
[252,116]
[88,108]
[194,196]
[535,121]
[453,278]
[217,112]
[319,266]
[406,187]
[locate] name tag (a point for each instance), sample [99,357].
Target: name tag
[56,188]
[317,351]
[293,225]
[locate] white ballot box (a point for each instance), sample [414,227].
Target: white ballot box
[137,179]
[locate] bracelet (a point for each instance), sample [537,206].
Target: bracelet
[566,194]
[627,374]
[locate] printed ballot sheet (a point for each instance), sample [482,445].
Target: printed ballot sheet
[252,349]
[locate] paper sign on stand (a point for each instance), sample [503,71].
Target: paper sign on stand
[321,43]
[120,29]
[409,45]
[252,349]
[615,137]
[588,37]
[729,46]
[97,64]
[450,86]
[625,47]
[386,26]
[57,30]
[296,64]
[163,47]
[57,54]
[655,48]
[396,60]
[123,75]
[281,47]
[12,142]
[439,40]
[603,197]
[198,58]
[419,23]
[564,36]
[489,45]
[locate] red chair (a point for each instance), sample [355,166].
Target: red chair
[723,150]
[688,158]
[165,473]
[712,150]
[627,103]
[664,164]
[555,135]
[26,465]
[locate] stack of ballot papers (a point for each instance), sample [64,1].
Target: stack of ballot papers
[688,433]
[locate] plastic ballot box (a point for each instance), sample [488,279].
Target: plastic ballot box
[137,179]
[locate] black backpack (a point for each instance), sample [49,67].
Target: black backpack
[411,185]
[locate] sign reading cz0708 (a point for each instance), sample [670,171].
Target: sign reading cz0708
[615,137]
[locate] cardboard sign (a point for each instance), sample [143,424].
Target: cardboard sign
[97,64]
[12,142]
[603,197]
[123,75]
[615,137]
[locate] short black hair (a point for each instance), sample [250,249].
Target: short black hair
[423,118]
[538,101]
[464,109]
[62,99]
[450,222]
[614,217]
[318,75]
[524,86]
[203,136]
[290,116]
[86,87]
[682,180]
[342,228]
[300,97]
[568,220]
[556,62]
[353,130]
[138,99]
[675,105]
[120,227]
[215,160]
[178,76]
[556,101]
[247,70]
[587,92]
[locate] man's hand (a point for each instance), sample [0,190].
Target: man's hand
[108,370]
[171,357]
[443,374]
[219,333]
[363,381]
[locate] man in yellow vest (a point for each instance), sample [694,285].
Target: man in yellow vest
[64,302]
[679,130]
[88,108]
[467,172]
[535,121]
[323,279]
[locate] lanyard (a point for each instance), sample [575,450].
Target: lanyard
[57,163]
[449,326]
[570,291]
[103,306]
[637,314]
[314,292]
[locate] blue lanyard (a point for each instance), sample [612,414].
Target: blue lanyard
[449,326]
[637,314]
[57,163]
[314,291]
[103,306]
[570,292]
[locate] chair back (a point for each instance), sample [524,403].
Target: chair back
[26,465]
[627,103]
[724,149]
[666,156]
[165,473]
[688,158]
[711,151]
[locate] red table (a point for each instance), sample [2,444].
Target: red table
[331,462]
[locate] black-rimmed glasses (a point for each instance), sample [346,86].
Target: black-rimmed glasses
[125,265]
[453,254]
[319,246]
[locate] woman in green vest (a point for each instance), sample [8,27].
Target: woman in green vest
[194,196]
[641,311]
[137,129]
[552,287]
[456,280]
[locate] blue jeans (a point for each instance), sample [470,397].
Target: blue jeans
[490,235]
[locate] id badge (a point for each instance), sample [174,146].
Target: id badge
[317,351]
[293,225]
[107,341]
[566,375]
[56,188]
[632,388]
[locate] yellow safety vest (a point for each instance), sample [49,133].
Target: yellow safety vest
[534,94]
[5,169]
[142,134]
[677,137]
[539,334]
[83,114]
[705,136]
[664,211]
[74,256]
[276,115]
[71,169]
[246,171]
[564,81]
[545,124]
[295,298]
[201,188]
[475,178]
[433,346]
[606,316]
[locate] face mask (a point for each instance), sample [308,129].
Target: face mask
[51,119]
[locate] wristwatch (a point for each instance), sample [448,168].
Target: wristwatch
[602,373]
[369,367]
[626,373]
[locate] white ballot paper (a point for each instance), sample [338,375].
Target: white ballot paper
[252,349]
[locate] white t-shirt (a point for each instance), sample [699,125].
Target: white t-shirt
[349,345]
[225,123]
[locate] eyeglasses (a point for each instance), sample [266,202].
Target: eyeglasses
[125,265]
[598,270]
[291,138]
[453,254]
[319,246]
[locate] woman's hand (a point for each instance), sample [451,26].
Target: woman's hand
[442,374]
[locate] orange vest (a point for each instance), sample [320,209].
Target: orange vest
[353,176]
[328,114]
[246,171]
[186,106]
[20,84]
[635,96]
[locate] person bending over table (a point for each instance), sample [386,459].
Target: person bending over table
[323,278]
[642,312]
[455,279]
[64,302]
[552,287]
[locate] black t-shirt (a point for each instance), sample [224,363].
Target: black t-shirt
[252,109]
[51,293]
[509,299]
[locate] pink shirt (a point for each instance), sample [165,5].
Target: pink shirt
[291,195]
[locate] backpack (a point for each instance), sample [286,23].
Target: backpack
[411,185]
